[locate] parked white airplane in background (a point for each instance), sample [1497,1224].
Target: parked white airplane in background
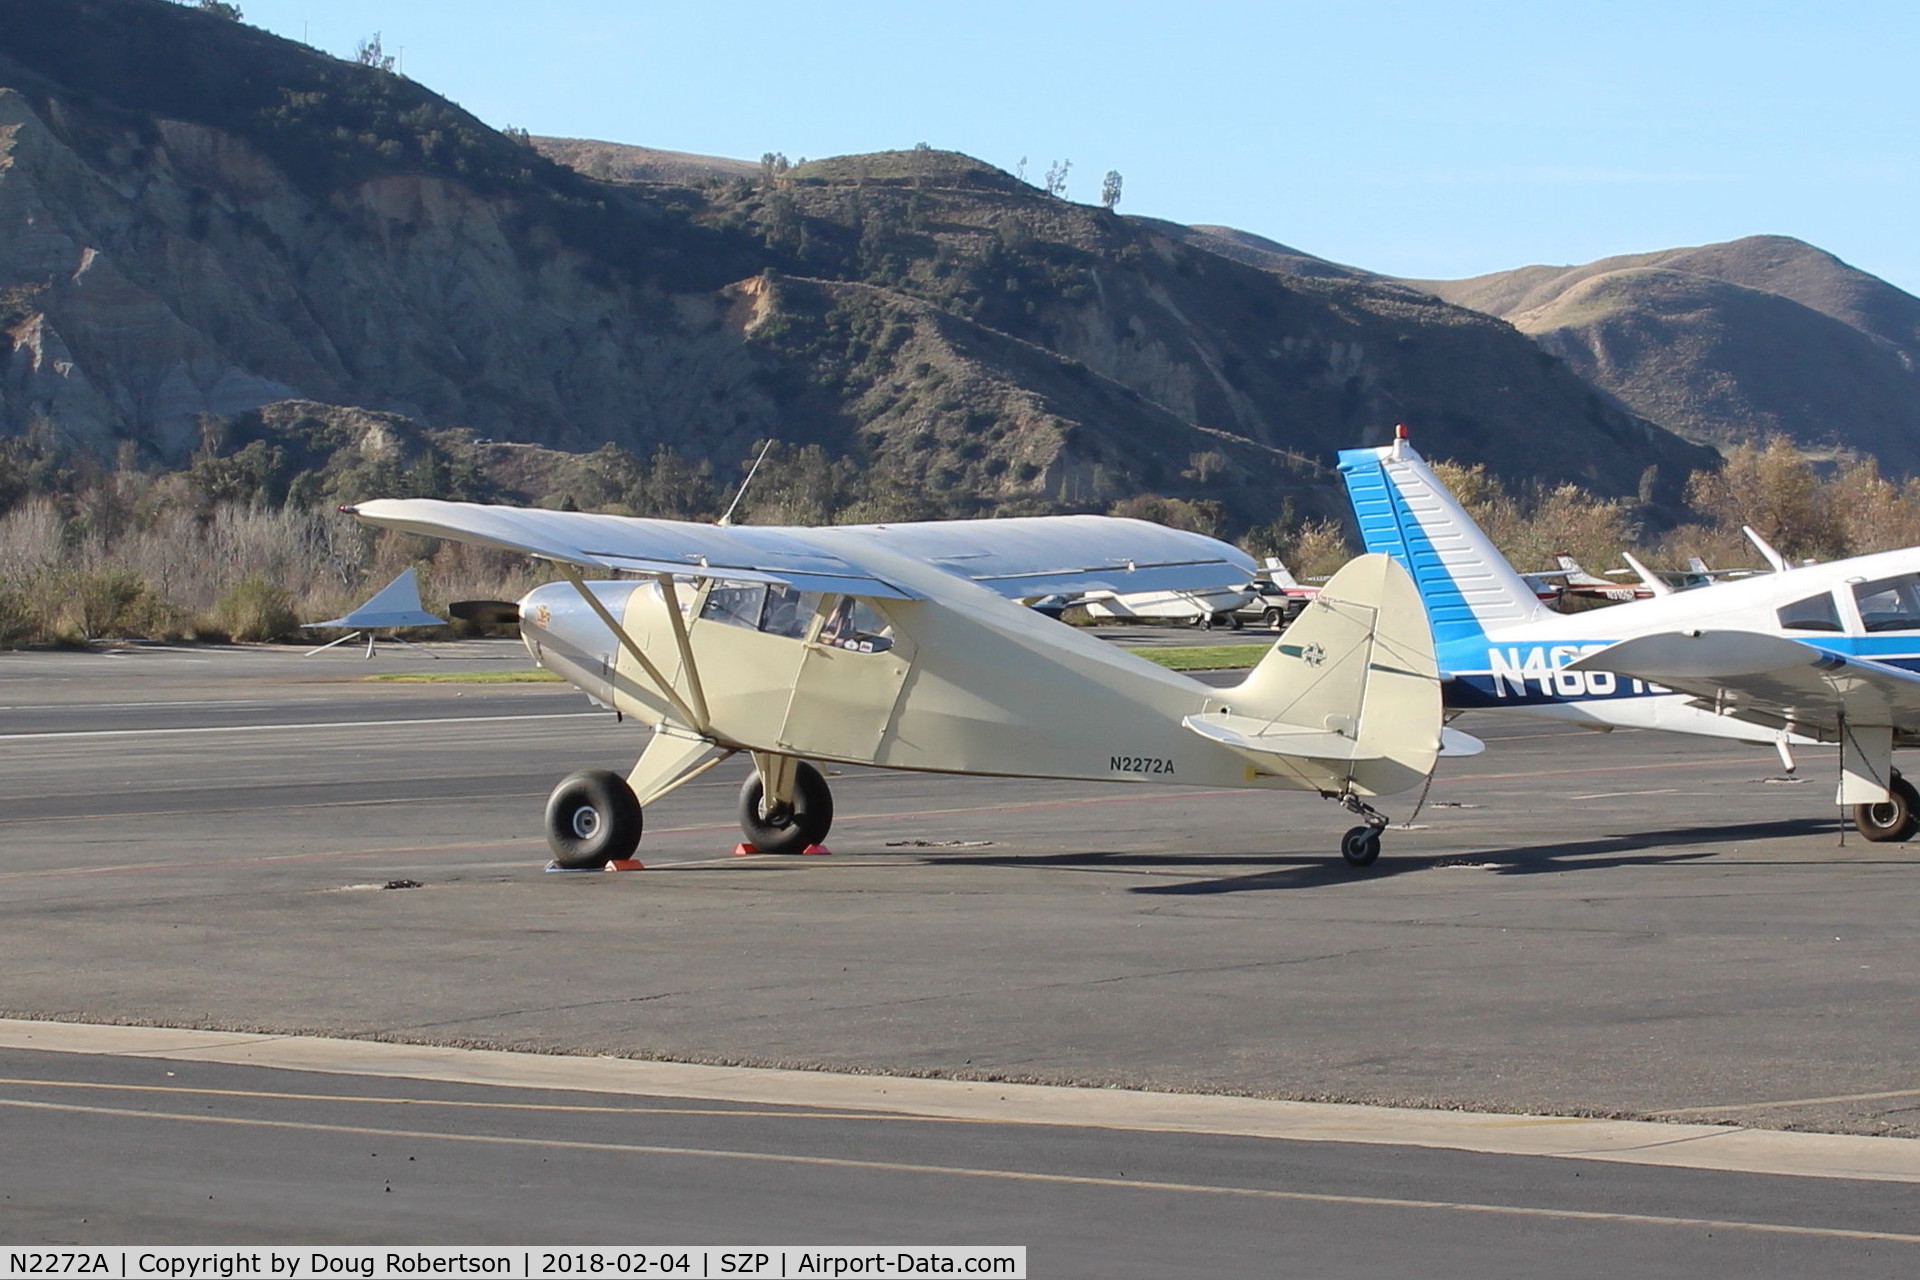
[1822,653]
[393,606]
[903,647]
[1198,608]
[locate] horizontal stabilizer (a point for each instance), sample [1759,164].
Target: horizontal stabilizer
[1454,743]
[1249,733]
[395,605]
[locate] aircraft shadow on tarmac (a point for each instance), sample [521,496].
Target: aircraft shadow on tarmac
[1308,871]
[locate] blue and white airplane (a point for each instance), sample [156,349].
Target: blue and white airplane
[1824,653]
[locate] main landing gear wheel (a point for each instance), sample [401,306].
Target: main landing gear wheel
[1360,846]
[592,819]
[1895,818]
[787,828]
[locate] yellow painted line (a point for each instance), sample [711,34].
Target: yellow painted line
[1721,1147]
[897,1167]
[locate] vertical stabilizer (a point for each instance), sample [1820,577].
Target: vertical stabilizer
[1349,698]
[1404,511]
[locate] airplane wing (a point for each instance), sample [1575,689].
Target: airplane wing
[1768,680]
[1025,557]
[1035,555]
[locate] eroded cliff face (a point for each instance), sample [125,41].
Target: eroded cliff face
[187,277]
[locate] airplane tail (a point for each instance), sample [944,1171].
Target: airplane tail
[1404,511]
[1349,698]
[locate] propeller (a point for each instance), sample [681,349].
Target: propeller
[488,613]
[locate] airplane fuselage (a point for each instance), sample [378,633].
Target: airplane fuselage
[1522,667]
[903,692]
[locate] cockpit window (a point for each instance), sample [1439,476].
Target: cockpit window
[789,612]
[737,604]
[774,608]
[1891,604]
[855,625]
[1815,613]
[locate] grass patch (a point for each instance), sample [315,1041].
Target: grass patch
[467,677]
[1205,657]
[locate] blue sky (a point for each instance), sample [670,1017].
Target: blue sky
[1426,140]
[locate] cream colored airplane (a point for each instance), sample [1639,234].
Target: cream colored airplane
[904,647]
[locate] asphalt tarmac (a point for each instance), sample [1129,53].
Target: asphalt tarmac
[1578,924]
[182,1151]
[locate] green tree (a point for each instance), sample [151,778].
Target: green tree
[219,9]
[1774,489]
[368,53]
[1110,188]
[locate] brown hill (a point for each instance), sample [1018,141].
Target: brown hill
[221,219]
[1730,342]
[616,161]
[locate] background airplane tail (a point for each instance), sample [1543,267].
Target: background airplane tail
[1349,696]
[1405,512]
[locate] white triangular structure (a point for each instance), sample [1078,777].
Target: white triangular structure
[395,605]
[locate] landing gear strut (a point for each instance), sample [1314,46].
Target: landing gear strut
[1361,845]
[1896,818]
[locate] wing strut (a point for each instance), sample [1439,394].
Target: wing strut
[687,664]
[695,721]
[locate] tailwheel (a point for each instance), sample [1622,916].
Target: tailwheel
[592,819]
[787,827]
[1894,819]
[1360,846]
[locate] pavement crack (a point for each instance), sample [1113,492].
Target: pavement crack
[547,1008]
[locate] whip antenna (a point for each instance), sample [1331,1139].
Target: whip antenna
[752,471]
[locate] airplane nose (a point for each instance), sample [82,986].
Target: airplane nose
[565,634]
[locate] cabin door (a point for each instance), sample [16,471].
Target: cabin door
[850,680]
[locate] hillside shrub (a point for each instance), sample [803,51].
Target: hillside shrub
[255,610]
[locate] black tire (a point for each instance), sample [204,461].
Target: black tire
[1273,618]
[1895,819]
[592,819]
[1360,846]
[793,829]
